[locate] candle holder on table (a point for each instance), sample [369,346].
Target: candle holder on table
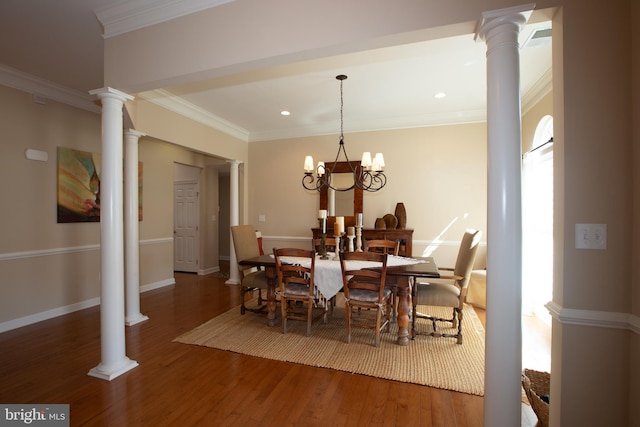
[358,238]
[338,244]
[350,246]
[323,240]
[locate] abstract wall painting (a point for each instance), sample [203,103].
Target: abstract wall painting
[79,186]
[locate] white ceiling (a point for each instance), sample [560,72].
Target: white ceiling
[61,42]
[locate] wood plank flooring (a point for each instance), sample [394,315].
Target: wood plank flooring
[184,385]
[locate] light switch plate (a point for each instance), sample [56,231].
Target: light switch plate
[591,236]
[261,218]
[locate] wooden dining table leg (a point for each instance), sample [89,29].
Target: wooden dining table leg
[403,310]
[272,281]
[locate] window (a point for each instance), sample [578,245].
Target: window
[537,221]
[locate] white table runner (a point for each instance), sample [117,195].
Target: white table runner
[328,275]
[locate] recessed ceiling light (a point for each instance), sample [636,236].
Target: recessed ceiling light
[284,113]
[439,95]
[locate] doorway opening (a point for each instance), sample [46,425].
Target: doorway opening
[186,218]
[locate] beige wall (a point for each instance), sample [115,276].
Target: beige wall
[43,265]
[439,173]
[46,268]
[164,125]
[592,179]
[160,160]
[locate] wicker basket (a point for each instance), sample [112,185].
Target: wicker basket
[536,384]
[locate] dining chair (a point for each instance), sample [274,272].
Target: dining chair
[245,245]
[298,297]
[365,289]
[382,245]
[448,291]
[391,247]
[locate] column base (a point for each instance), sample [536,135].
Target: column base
[133,320]
[232,282]
[108,373]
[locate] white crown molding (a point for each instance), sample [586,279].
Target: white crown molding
[178,105]
[593,318]
[25,82]
[540,89]
[417,121]
[135,14]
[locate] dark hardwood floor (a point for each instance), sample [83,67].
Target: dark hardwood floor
[184,385]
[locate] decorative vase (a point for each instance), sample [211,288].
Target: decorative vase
[380,224]
[401,214]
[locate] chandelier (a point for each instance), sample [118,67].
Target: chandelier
[368,176]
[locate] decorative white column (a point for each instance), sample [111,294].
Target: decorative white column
[503,349]
[131,235]
[112,330]
[234,219]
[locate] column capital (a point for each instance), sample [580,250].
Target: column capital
[136,133]
[517,15]
[235,162]
[108,92]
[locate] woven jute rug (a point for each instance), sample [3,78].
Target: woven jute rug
[435,362]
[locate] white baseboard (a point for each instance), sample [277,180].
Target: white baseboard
[208,271]
[61,311]
[157,285]
[46,315]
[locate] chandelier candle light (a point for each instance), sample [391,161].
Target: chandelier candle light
[369,176]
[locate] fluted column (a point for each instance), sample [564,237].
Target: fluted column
[112,329]
[131,235]
[503,354]
[234,219]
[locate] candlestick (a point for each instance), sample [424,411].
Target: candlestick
[337,246]
[323,241]
[359,238]
[351,237]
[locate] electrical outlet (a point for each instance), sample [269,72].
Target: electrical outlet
[591,236]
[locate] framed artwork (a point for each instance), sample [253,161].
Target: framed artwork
[79,186]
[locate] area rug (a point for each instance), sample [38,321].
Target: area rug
[434,362]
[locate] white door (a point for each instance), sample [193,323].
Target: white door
[185,232]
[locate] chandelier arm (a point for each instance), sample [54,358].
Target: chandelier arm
[373,182]
[308,182]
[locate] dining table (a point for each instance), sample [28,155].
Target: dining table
[401,273]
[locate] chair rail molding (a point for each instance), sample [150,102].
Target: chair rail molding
[72,249]
[594,318]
